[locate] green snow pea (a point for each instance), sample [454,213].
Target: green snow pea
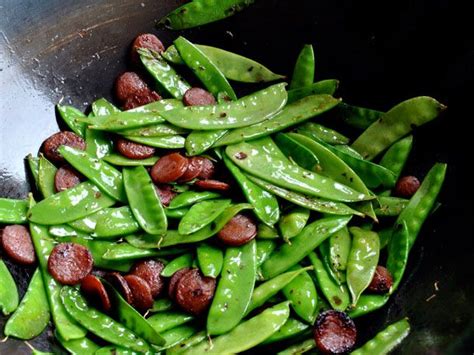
[368,304]
[189,198]
[32,315]
[102,107]
[77,346]
[396,123]
[362,262]
[126,251]
[158,106]
[176,335]
[390,206]
[103,175]
[265,205]
[359,117]
[319,132]
[9,298]
[264,249]
[201,12]
[177,213]
[163,73]
[303,74]
[327,87]
[397,155]
[201,214]
[69,115]
[13,211]
[246,111]
[155,130]
[398,249]
[144,200]
[197,142]
[292,223]
[339,249]
[167,142]
[234,289]
[324,251]
[182,261]
[88,223]
[164,321]
[291,328]
[119,121]
[292,114]
[120,160]
[64,230]
[297,152]
[33,165]
[247,334]
[98,323]
[99,144]
[115,222]
[348,150]
[184,345]
[300,348]
[46,174]
[69,205]
[210,259]
[311,236]
[385,235]
[160,305]
[115,350]
[337,295]
[386,340]
[267,232]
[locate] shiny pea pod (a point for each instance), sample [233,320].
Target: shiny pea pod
[324,251]
[348,150]
[265,205]
[303,73]
[158,106]
[126,252]
[46,174]
[292,223]
[264,250]
[99,144]
[177,335]
[397,155]
[184,345]
[167,320]
[358,117]
[396,123]
[114,222]
[166,142]
[210,259]
[13,211]
[33,165]
[327,87]
[69,114]
[181,262]
[119,121]
[297,152]
[115,350]
[155,130]
[299,348]
[77,346]
[102,107]
[189,198]
[398,249]
[266,232]
[290,329]
[385,235]
[322,133]
[362,262]
[368,304]
[177,213]
[310,238]
[234,289]
[201,214]
[120,160]
[160,305]
[64,230]
[87,224]
[197,142]
[390,206]
[9,298]
[339,249]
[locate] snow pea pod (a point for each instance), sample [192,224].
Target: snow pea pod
[102,107]
[77,346]
[385,235]
[197,142]
[264,250]
[120,160]
[144,200]
[46,174]
[13,211]
[303,73]
[33,165]
[291,328]
[64,230]
[88,223]
[210,259]
[265,205]
[247,334]
[167,142]
[321,133]
[155,130]
[327,87]
[386,340]
[362,262]
[126,251]
[312,235]
[69,114]
[160,305]
[118,121]
[103,175]
[339,249]
[390,206]
[266,232]
[297,152]
[398,249]
[115,222]
[396,123]
[184,345]
[292,223]
[201,214]
[348,150]
[189,198]
[32,315]
[299,348]
[158,106]
[182,261]
[246,111]
[98,143]
[336,275]
[234,289]
[98,323]
[164,321]
[177,213]
[9,298]
[292,114]
[368,304]
[359,117]
[397,155]
[177,335]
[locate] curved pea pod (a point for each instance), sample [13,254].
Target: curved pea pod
[322,133]
[358,117]
[327,87]
[422,202]
[363,260]
[385,235]
[182,261]
[167,142]
[390,206]
[264,250]
[201,214]
[290,329]
[87,224]
[339,249]
[98,323]
[210,259]
[120,160]
[303,73]
[348,150]
[292,114]
[102,107]
[158,106]
[292,223]
[177,213]
[46,174]
[160,305]
[13,211]
[119,121]
[247,334]
[189,198]
[126,252]
[9,298]
[265,205]
[337,295]
[144,200]
[177,335]
[310,238]
[77,346]
[398,249]
[115,222]
[64,230]
[324,251]
[396,123]
[197,142]
[184,345]
[297,152]
[201,12]
[397,155]
[69,114]
[99,144]
[69,205]
[154,130]
[299,348]
[266,232]
[164,321]
[171,54]
[303,296]
[368,304]
[234,289]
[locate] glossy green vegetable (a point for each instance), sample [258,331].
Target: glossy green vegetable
[184,345]
[177,335]
[13,211]
[397,155]
[119,160]
[299,348]
[327,87]
[119,121]
[390,206]
[291,328]
[210,259]
[69,115]
[197,142]
[177,213]
[9,298]
[167,142]
[99,144]
[189,198]
[102,107]
[368,304]
[154,130]
[336,275]
[398,249]
[33,165]
[292,223]
[167,320]
[182,261]
[160,305]
[267,232]
[87,224]
[201,214]
[264,249]
[303,73]
[126,251]
[46,174]
[77,346]
[359,117]
[297,152]
[157,107]
[319,132]
[64,230]
[115,222]
[234,289]
[339,249]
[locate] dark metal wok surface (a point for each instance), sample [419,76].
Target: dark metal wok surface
[382,53]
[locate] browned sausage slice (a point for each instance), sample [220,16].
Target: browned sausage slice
[69,263]
[169,168]
[127,85]
[118,282]
[194,169]
[212,185]
[140,98]
[95,292]
[134,150]
[239,230]
[407,186]
[194,292]
[208,169]
[17,244]
[150,271]
[141,291]
[174,281]
[334,332]
[51,145]
[198,97]
[382,280]
[145,40]
[65,178]
[166,193]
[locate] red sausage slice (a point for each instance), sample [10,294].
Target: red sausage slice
[166,193]
[17,244]
[407,186]
[69,263]
[194,169]
[382,280]
[174,281]
[65,178]
[140,98]
[95,292]
[194,292]
[134,150]
[198,97]
[239,230]
[169,168]
[150,271]
[51,145]
[334,332]
[208,169]
[120,284]
[141,291]
[127,85]
[145,40]
[212,185]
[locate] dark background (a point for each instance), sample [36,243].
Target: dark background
[382,52]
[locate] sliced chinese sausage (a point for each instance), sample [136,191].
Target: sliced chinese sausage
[407,186]
[198,97]
[150,271]
[141,291]
[166,193]
[17,244]
[140,98]
[214,185]
[174,281]
[239,230]
[119,283]
[69,263]
[334,332]
[148,41]
[65,178]
[194,292]
[133,150]
[208,169]
[382,280]
[194,169]
[127,85]
[169,168]
[51,145]
[95,292]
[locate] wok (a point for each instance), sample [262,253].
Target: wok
[383,52]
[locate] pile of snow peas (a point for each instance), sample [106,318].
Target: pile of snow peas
[294,230]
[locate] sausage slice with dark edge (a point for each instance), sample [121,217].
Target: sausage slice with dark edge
[382,280]
[174,281]
[194,292]
[150,271]
[69,263]
[141,98]
[213,185]
[65,178]
[141,291]
[127,85]
[169,168]
[95,292]
[120,284]
[51,145]
[198,97]
[133,150]
[193,170]
[17,244]
[334,332]
[407,186]
[166,193]
[148,41]
[240,230]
